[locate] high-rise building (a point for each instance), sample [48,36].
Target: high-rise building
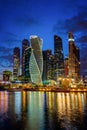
[36,60]
[16,64]
[25,44]
[66,67]
[46,64]
[27,55]
[59,56]
[74,58]
[7,75]
[51,72]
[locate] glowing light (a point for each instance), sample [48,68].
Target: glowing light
[71,39]
[33,36]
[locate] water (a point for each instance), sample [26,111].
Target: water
[43,111]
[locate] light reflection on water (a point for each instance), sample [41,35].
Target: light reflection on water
[43,111]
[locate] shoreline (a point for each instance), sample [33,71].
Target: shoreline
[44,89]
[58,90]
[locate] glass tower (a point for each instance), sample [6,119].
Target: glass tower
[59,56]
[16,64]
[74,58]
[25,44]
[27,55]
[36,60]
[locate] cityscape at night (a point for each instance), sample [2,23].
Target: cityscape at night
[43,65]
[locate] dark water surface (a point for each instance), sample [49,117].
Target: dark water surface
[43,111]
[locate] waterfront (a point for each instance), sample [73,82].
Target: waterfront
[28,110]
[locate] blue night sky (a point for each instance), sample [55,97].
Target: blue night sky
[21,18]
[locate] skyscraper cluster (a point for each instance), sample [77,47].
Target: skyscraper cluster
[53,64]
[38,65]
[32,61]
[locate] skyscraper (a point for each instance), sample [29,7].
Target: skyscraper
[27,55]
[16,64]
[36,60]
[74,58]
[66,67]
[7,75]
[46,64]
[59,56]
[25,44]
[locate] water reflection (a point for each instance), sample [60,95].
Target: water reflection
[43,111]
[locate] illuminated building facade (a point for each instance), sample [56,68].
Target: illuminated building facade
[16,64]
[51,72]
[74,58]
[36,60]
[66,67]
[48,64]
[27,55]
[25,44]
[7,75]
[59,56]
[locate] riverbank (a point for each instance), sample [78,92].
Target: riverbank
[46,89]
[57,89]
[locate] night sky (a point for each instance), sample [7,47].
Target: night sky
[21,18]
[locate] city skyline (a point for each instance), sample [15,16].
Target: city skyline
[20,19]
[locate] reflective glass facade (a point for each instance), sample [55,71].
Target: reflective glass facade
[25,44]
[27,55]
[16,64]
[59,56]
[36,60]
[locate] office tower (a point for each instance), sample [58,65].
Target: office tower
[51,72]
[59,56]
[7,75]
[25,44]
[74,58]
[27,55]
[36,60]
[46,64]
[16,64]
[66,67]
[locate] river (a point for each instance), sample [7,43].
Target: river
[28,110]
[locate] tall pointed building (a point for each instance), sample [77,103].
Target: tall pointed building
[36,60]
[74,58]
[59,56]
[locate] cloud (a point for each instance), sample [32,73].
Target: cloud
[5,50]
[6,57]
[82,39]
[11,40]
[77,23]
[10,34]
[27,20]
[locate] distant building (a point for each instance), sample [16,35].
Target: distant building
[51,72]
[59,56]
[27,55]
[25,44]
[16,64]
[46,64]
[36,60]
[66,67]
[74,58]
[7,75]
